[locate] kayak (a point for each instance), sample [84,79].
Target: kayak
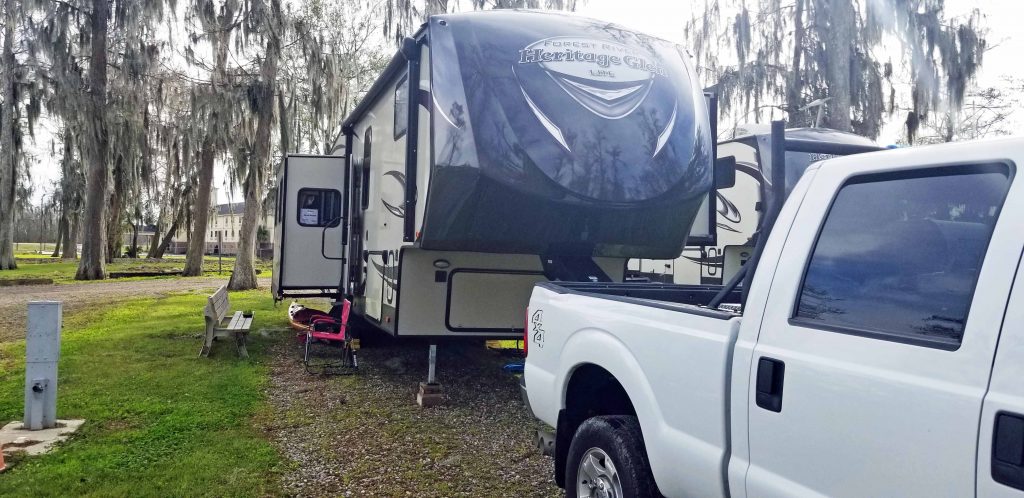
[300,316]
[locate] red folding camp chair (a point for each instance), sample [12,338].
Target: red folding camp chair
[328,346]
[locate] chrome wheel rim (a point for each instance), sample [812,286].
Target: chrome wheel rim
[597,476]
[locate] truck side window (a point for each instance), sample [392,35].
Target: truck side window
[319,207]
[899,254]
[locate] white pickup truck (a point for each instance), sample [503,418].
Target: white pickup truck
[877,351]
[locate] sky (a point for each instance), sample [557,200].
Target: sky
[666,19]
[1001,18]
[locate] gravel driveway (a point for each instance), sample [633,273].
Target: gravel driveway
[14,300]
[364,435]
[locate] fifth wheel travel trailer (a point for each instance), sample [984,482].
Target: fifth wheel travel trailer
[497,150]
[717,249]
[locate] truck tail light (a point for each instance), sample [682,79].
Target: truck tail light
[526,334]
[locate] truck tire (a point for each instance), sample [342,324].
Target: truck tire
[607,458]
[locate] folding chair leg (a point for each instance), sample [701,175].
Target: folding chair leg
[305,352]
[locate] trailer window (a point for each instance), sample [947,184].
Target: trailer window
[278,203]
[319,207]
[899,254]
[364,194]
[401,107]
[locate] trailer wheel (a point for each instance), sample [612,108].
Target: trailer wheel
[607,459]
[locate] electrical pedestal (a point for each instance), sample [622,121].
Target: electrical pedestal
[42,350]
[39,430]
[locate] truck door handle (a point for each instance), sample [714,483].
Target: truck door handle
[770,374]
[1008,450]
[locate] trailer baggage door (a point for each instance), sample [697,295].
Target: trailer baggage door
[309,234]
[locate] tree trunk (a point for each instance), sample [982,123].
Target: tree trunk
[8,156]
[795,86]
[162,248]
[282,113]
[71,238]
[167,208]
[93,266]
[244,275]
[197,240]
[154,241]
[69,195]
[115,227]
[134,251]
[200,213]
[62,226]
[839,16]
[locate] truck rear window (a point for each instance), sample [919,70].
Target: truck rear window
[899,254]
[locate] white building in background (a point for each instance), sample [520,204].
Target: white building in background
[224,227]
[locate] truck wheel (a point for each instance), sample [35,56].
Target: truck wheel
[607,459]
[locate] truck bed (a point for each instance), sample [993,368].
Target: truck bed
[659,295]
[672,357]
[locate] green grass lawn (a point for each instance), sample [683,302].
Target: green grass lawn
[159,420]
[33,248]
[63,271]
[57,269]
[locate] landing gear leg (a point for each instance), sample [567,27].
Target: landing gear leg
[430,391]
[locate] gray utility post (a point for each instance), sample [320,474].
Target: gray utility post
[432,359]
[220,252]
[42,350]
[430,391]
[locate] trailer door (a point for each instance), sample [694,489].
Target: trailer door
[310,227]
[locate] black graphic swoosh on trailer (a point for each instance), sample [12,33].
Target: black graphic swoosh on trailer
[386,274]
[398,211]
[728,210]
[715,261]
[727,228]
[751,170]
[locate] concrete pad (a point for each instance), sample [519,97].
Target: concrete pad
[14,436]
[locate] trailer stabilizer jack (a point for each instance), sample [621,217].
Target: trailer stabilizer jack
[430,393]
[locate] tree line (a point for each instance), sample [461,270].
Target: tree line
[148,96]
[851,65]
[143,98]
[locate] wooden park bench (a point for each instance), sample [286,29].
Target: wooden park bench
[219,323]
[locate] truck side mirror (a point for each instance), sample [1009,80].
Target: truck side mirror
[725,172]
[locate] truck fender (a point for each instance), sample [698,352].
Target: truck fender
[599,348]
